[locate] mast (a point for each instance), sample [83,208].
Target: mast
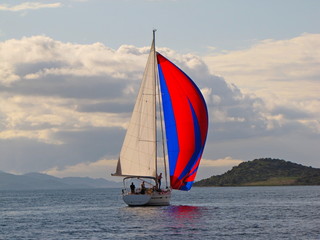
[155,101]
[157,88]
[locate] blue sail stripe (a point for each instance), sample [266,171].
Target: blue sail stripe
[170,122]
[198,146]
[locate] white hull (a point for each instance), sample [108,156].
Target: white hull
[152,199]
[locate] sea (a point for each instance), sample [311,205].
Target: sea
[202,213]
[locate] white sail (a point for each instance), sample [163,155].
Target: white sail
[138,153]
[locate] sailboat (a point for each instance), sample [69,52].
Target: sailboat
[169,106]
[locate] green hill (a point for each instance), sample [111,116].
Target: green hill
[265,172]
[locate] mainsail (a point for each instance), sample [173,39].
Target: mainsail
[186,123]
[138,153]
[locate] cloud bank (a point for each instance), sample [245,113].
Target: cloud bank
[65,106]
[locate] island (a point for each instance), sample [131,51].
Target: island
[265,172]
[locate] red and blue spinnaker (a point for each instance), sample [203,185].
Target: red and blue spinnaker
[186,120]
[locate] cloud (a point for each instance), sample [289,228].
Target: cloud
[40,117]
[47,57]
[283,73]
[287,68]
[29,6]
[48,84]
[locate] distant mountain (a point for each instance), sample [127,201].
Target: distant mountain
[265,172]
[34,181]
[90,182]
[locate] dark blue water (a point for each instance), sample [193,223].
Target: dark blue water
[202,213]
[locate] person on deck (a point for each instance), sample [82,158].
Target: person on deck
[159,180]
[133,188]
[143,188]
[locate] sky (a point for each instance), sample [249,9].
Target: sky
[70,71]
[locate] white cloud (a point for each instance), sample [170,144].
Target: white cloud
[39,117]
[7,74]
[284,73]
[49,84]
[29,6]
[285,68]
[46,57]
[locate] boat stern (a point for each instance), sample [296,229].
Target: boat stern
[136,199]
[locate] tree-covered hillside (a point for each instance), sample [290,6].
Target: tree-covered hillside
[265,172]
